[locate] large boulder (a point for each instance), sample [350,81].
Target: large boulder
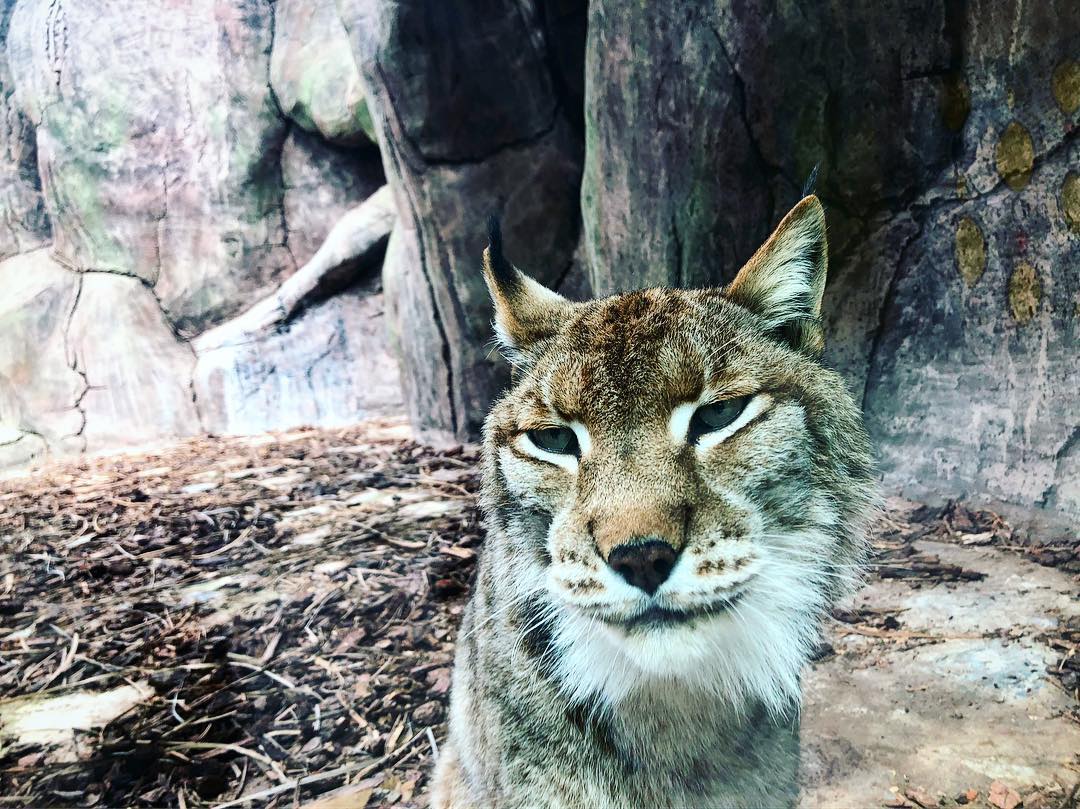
[136,368]
[158,142]
[40,386]
[473,118]
[88,362]
[314,75]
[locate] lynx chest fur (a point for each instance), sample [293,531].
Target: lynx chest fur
[676,492]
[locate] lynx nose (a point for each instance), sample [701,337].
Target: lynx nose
[645,564]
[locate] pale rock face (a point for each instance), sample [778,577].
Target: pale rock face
[39,386]
[181,203]
[314,75]
[137,373]
[88,362]
[327,367]
[162,164]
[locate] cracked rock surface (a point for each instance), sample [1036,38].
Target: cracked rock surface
[163,164]
[39,387]
[151,191]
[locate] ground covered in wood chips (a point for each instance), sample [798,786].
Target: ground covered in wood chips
[269,622]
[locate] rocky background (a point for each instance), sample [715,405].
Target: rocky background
[170,173]
[192,227]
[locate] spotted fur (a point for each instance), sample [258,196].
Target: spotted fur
[566,692]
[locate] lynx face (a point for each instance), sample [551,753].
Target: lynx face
[679,489]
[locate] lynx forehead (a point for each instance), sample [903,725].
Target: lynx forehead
[677,490]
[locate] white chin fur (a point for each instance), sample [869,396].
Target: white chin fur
[752,652]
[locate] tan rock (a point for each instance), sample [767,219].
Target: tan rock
[138,373]
[313,72]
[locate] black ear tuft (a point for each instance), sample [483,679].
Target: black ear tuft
[811,181]
[502,270]
[494,235]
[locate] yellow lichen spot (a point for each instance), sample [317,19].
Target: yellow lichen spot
[955,102]
[970,251]
[961,186]
[1015,156]
[1066,86]
[1025,291]
[1070,200]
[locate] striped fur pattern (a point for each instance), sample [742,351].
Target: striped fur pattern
[574,688]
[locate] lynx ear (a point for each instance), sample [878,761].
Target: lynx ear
[525,311]
[785,279]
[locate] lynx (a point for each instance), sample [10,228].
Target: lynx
[677,491]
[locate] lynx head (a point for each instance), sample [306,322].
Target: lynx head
[677,489]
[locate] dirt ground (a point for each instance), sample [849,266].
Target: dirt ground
[269,621]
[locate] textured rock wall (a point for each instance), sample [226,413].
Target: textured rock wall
[24,225]
[474,108]
[153,190]
[946,134]
[181,219]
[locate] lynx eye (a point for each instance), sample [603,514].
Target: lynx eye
[715,416]
[559,440]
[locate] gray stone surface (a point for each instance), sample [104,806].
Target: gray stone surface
[183,201]
[966,702]
[89,362]
[24,225]
[471,121]
[137,373]
[328,366]
[947,141]
[39,385]
[313,352]
[162,164]
[660,148]
[314,75]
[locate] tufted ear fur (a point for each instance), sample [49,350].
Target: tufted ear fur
[784,281]
[525,311]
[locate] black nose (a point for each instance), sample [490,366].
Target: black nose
[644,564]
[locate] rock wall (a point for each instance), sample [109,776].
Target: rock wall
[947,139]
[24,225]
[148,202]
[191,236]
[946,134]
